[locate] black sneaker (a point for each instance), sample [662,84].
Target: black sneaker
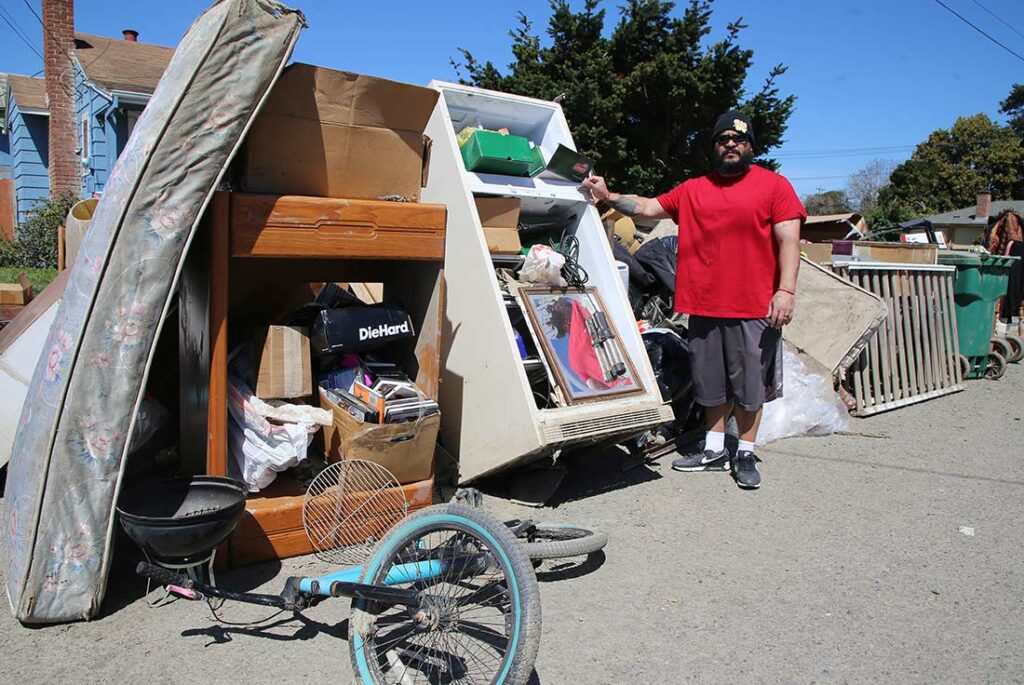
[744,470]
[708,460]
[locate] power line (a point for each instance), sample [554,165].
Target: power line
[998,18]
[9,20]
[964,20]
[849,149]
[816,178]
[47,30]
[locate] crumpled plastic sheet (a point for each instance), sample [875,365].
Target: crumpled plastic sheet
[265,438]
[543,266]
[809,406]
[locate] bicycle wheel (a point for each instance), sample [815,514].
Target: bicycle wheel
[482,619]
[560,540]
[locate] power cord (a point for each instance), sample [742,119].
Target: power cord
[569,247]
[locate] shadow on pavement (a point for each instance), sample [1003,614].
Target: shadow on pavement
[567,569]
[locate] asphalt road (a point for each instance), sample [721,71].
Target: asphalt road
[889,554]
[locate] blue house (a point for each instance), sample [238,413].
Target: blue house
[27,139]
[114,79]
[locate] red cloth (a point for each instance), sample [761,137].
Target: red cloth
[728,258]
[582,357]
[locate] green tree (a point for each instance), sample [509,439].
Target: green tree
[36,243]
[641,102]
[1013,107]
[946,171]
[827,202]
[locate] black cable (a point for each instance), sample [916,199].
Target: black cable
[1008,25]
[17,31]
[569,247]
[964,20]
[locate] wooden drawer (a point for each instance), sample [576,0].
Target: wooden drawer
[329,228]
[271,527]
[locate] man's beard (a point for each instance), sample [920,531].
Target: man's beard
[734,167]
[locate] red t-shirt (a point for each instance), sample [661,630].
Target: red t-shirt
[728,258]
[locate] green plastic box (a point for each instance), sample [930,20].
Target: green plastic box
[488,152]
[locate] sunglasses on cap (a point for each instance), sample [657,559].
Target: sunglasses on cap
[738,138]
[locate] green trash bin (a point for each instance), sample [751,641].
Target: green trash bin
[980,281]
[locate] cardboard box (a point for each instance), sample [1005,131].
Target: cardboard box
[16,293]
[499,217]
[404,449]
[499,212]
[281,366]
[502,240]
[338,134]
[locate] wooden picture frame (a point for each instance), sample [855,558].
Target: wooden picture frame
[582,372]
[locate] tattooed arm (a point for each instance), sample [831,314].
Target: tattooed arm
[629,205]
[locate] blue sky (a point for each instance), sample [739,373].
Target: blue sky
[868,74]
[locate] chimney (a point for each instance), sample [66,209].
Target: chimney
[984,207]
[130,35]
[58,42]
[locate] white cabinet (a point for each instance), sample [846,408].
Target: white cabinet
[492,418]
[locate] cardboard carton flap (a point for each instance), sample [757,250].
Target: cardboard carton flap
[341,97]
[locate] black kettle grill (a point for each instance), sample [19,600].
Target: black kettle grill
[179,523]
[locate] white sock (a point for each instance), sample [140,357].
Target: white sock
[714,441]
[745,446]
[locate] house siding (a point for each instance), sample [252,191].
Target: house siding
[27,136]
[96,161]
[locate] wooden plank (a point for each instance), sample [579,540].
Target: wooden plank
[872,346]
[217,410]
[953,331]
[331,228]
[920,342]
[935,298]
[896,366]
[882,366]
[27,315]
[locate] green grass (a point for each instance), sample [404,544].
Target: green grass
[39,278]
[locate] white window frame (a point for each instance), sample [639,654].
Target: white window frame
[85,135]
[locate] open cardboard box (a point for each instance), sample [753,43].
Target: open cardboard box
[499,217]
[333,133]
[404,449]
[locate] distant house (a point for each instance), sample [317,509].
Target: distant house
[966,226]
[114,79]
[27,138]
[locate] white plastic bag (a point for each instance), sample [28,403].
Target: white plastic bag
[260,448]
[543,266]
[809,405]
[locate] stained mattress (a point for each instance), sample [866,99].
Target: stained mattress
[68,457]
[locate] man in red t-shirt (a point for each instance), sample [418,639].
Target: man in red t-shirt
[739,252]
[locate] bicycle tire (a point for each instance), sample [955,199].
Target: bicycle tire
[562,540]
[520,618]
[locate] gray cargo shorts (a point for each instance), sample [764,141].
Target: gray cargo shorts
[735,359]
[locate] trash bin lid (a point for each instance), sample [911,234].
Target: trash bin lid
[998,260]
[959,258]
